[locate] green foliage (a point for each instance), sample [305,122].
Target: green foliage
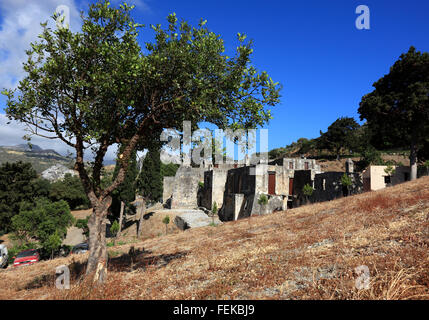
[307,190]
[263,199]
[83,224]
[40,221]
[371,156]
[301,146]
[114,228]
[149,182]
[200,184]
[397,111]
[70,189]
[390,170]
[52,243]
[16,186]
[168,170]
[214,208]
[42,188]
[166,220]
[346,181]
[340,135]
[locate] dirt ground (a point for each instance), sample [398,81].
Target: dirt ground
[312,252]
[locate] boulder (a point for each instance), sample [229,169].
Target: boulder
[193,219]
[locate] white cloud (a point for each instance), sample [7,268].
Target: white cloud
[20,25]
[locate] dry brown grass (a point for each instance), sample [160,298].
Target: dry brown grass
[309,252]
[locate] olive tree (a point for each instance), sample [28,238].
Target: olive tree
[97,87]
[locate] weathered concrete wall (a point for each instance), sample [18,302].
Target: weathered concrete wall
[168,187]
[185,192]
[214,187]
[297,164]
[376,176]
[327,186]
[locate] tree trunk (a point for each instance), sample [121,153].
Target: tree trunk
[142,211]
[121,217]
[413,162]
[97,261]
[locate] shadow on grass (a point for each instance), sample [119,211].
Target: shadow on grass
[141,259]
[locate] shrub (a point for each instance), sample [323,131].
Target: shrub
[346,181]
[114,228]
[46,222]
[263,199]
[308,190]
[71,190]
[166,221]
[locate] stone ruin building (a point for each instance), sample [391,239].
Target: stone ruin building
[237,187]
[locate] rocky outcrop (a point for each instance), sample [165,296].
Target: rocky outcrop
[57,172]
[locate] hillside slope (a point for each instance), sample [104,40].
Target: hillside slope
[40,159]
[309,252]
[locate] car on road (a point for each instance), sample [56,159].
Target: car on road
[26,257]
[80,248]
[3,256]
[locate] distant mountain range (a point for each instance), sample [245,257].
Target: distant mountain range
[41,159]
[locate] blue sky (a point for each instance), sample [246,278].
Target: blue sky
[313,48]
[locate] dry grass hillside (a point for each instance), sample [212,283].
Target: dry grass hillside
[334,165]
[309,252]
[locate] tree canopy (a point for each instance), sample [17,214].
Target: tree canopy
[397,111]
[17,184]
[96,87]
[149,182]
[341,134]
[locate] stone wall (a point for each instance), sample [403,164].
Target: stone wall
[327,186]
[214,187]
[185,187]
[168,187]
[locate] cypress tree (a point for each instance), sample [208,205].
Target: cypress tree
[150,179]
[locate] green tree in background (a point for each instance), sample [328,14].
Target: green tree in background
[397,111]
[96,87]
[16,186]
[40,221]
[340,135]
[149,182]
[70,189]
